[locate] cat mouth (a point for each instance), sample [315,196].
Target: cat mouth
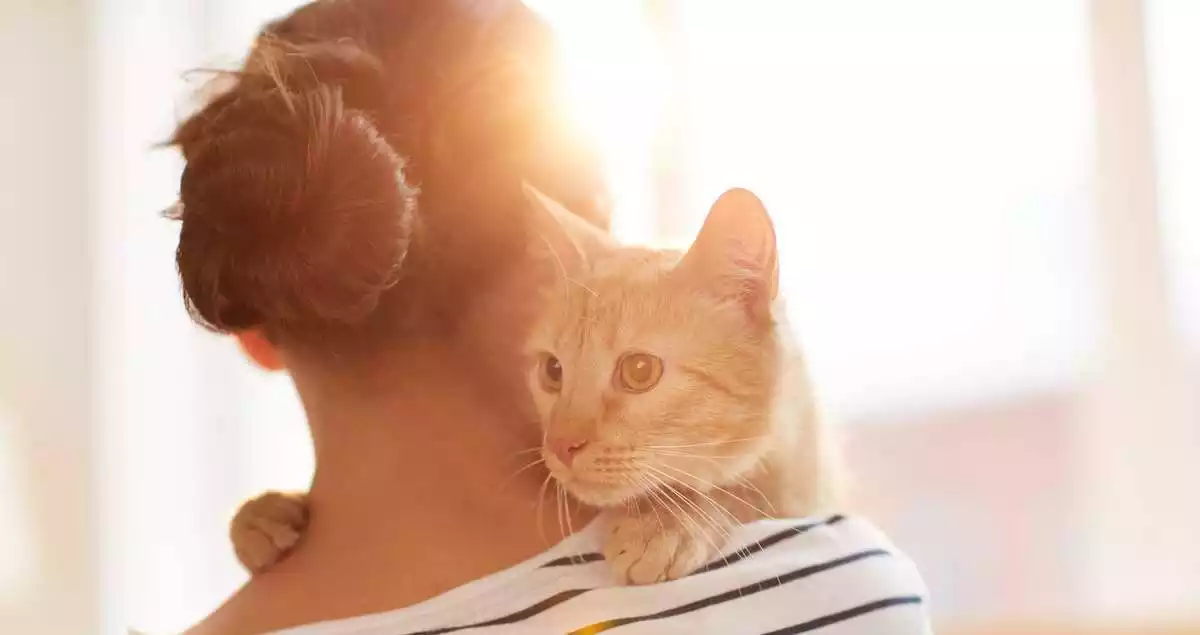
[605,487]
[608,477]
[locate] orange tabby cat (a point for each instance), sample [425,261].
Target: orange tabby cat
[670,389]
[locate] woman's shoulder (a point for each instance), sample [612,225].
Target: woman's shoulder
[837,543]
[834,569]
[802,574]
[782,576]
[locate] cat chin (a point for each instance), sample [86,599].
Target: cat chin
[598,495]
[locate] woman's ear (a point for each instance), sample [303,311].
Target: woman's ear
[259,349]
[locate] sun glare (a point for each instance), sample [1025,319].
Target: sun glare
[616,82]
[612,84]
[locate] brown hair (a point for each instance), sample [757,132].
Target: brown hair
[370,156]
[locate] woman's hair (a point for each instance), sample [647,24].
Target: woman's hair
[366,167]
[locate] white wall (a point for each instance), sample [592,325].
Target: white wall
[1138,428]
[47,570]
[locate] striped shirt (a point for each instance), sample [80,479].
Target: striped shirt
[835,576]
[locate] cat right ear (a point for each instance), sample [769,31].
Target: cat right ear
[736,256]
[565,238]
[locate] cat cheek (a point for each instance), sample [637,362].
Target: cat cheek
[542,404]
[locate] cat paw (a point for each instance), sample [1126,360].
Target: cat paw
[645,551]
[266,528]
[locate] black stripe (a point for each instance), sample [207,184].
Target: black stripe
[848,614]
[734,594]
[583,558]
[773,539]
[740,554]
[523,614]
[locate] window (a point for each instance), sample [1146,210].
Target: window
[1174,48]
[17,552]
[929,178]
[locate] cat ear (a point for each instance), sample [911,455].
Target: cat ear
[735,256]
[564,237]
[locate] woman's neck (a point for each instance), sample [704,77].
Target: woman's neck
[421,486]
[425,462]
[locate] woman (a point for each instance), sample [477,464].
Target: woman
[352,210]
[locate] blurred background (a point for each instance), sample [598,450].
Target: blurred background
[990,241]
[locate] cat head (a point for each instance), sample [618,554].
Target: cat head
[650,370]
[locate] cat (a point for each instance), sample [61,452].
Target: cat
[671,392]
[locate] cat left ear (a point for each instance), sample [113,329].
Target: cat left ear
[564,237]
[735,256]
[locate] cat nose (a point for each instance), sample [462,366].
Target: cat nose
[566,449]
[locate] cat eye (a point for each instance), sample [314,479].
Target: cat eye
[550,373]
[638,372]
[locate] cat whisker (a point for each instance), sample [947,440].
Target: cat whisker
[558,503]
[668,491]
[653,507]
[649,500]
[718,487]
[761,466]
[705,443]
[651,488]
[754,488]
[567,507]
[701,521]
[696,506]
[741,479]
[743,550]
[583,286]
[524,468]
[540,505]
[689,455]
[725,530]
[721,529]
[652,495]
[636,504]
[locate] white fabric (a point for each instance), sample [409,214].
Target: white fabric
[836,576]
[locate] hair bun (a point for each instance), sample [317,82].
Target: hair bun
[295,210]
